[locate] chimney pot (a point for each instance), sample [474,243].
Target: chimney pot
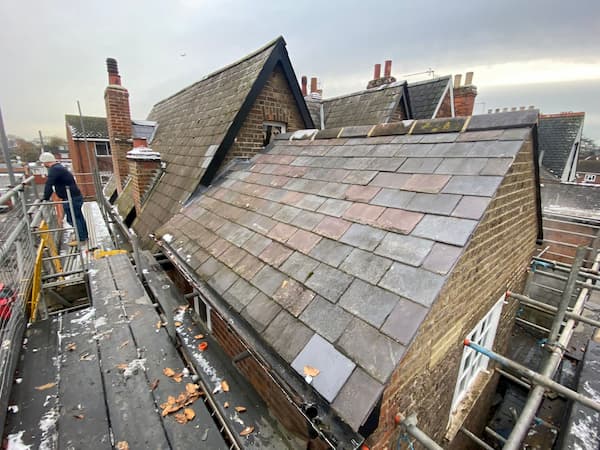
[504,109]
[457,79]
[531,107]
[313,84]
[469,79]
[521,108]
[388,68]
[113,71]
[497,110]
[304,85]
[514,108]
[139,142]
[490,111]
[377,72]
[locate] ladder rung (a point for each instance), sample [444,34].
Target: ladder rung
[63,282]
[50,258]
[62,274]
[46,203]
[51,230]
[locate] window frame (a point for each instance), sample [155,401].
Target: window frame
[269,123]
[589,178]
[472,362]
[107,146]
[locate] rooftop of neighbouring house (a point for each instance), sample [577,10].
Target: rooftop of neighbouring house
[96,128]
[591,165]
[296,240]
[557,134]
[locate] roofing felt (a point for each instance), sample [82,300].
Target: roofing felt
[95,127]
[425,96]
[334,250]
[557,134]
[193,126]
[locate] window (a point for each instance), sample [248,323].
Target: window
[589,178]
[473,362]
[102,149]
[203,311]
[270,130]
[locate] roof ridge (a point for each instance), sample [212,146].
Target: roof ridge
[419,83]
[262,49]
[563,114]
[84,117]
[395,84]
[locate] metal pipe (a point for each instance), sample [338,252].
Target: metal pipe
[4,143]
[62,274]
[532,325]
[561,278]
[74,225]
[477,440]
[14,191]
[512,378]
[495,435]
[409,424]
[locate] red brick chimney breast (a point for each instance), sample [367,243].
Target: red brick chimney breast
[464,96]
[144,163]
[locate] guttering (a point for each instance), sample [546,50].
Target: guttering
[336,433]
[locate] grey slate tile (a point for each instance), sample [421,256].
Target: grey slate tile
[363,236]
[286,214]
[292,296]
[209,268]
[368,302]
[496,149]
[299,266]
[404,321]
[256,244]
[392,198]
[307,220]
[374,352]
[516,134]
[441,258]
[445,229]
[471,207]
[330,252]
[325,318]
[472,185]
[287,335]
[407,249]
[328,282]
[420,165]
[310,202]
[334,207]
[415,284]
[335,368]
[461,166]
[504,120]
[268,280]
[357,398]
[334,190]
[260,311]
[497,166]
[414,150]
[361,177]
[365,265]
[240,294]
[441,137]
[442,204]
[223,279]
[390,180]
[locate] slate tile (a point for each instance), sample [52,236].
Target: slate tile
[415,284]
[399,220]
[275,254]
[217,247]
[390,180]
[332,227]
[335,368]
[386,164]
[325,318]
[473,136]
[310,202]
[299,266]
[406,249]
[408,139]
[365,265]
[293,297]
[357,163]
[515,134]
[223,279]
[286,214]
[328,282]
[377,354]
[248,267]
[496,149]
[392,198]
[287,335]
[356,131]
[256,222]
[441,204]
[307,220]
[209,268]
[330,252]
[268,280]
[260,312]
[426,183]
[303,241]
[462,149]
[414,150]
[471,207]
[334,190]
[497,166]
[461,166]
[361,193]
[240,294]
[445,229]
[256,244]
[334,207]
[473,185]
[360,212]
[357,398]
[404,321]
[232,256]
[441,258]
[420,165]
[292,197]
[368,302]
[361,177]
[363,236]
[504,120]
[282,232]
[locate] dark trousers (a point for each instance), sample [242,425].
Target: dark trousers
[79,219]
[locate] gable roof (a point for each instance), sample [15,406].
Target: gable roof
[298,240]
[97,128]
[426,96]
[197,125]
[558,134]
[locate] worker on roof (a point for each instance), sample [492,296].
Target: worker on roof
[59,178]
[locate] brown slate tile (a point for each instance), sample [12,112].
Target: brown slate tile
[281,232]
[287,335]
[390,180]
[426,183]
[218,247]
[441,258]
[292,198]
[404,321]
[256,244]
[363,213]
[303,241]
[361,193]
[275,254]
[399,220]
[248,267]
[260,312]
[332,227]
[232,256]
[362,177]
[293,297]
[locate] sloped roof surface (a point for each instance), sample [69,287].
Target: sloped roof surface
[95,127]
[426,95]
[368,107]
[143,129]
[588,165]
[335,249]
[314,107]
[191,126]
[557,134]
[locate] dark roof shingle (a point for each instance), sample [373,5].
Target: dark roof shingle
[557,134]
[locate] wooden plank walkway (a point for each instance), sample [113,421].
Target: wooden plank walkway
[94,378]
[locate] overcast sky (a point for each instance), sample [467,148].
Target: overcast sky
[544,52]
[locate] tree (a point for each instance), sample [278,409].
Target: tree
[55,144]
[26,150]
[588,147]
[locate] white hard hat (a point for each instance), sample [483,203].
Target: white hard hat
[47,157]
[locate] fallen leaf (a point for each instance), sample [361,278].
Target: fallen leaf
[154,384]
[43,387]
[191,388]
[168,372]
[79,416]
[123,344]
[225,386]
[202,346]
[122,445]
[311,371]
[122,366]
[246,431]
[177,324]
[189,413]
[177,378]
[71,346]
[199,336]
[240,408]
[226,405]
[158,324]
[181,418]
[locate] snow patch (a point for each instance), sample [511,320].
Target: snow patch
[236,418]
[134,366]
[15,442]
[167,238]
[100,322]
[587,433]
[86,317]
[13,409]
[48,429]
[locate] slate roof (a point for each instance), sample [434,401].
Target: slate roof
[588,166]
[197,125]
[95,127]
[557,134]
[314,107]
[425,96]
[334,250]
[143,129]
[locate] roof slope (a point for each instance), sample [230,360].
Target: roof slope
[335,249]
[368,107]
[425,96]
[557,134]
[95,127]
[197,125]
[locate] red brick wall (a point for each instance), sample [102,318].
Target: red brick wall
[580,178]
[563,238]
[445,108]
[118,119]
[495,259]
[464,100]
[142,173]
[81,165]
[275,103]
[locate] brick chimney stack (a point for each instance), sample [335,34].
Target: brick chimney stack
[464,96]
[144,164]
[118,119]
[378,80]
[315,92]
[304,86]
